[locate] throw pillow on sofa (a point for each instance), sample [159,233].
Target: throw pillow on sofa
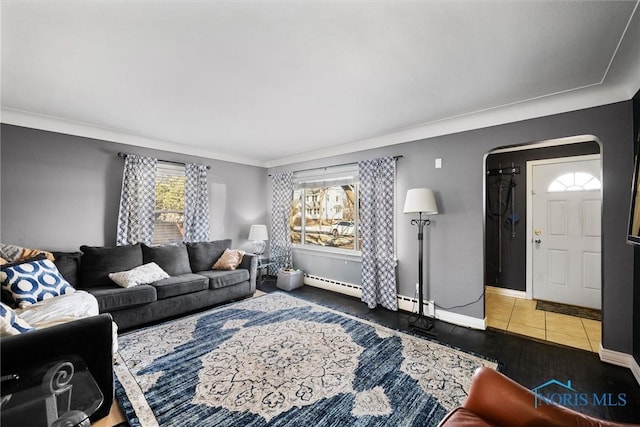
[174,259]
[142,275]
[13,253]
[230,260]
[98,261]
[10,323]
[68,264]
[33,280]
[202,255]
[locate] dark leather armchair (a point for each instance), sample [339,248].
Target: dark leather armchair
[496,400]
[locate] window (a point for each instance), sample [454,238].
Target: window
[574,181]
[169,210]
[324,210]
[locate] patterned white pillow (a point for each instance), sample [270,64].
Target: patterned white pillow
[10,323]
[142,275]
[34,281]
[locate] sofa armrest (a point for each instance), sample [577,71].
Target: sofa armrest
[90,338]
[250,262]
[500,401]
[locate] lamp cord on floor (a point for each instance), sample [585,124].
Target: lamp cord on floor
[460,306]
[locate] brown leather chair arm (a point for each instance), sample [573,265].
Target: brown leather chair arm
[501,401]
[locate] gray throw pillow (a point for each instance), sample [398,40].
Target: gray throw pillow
[98,261]
[173,259]
[68,264]
[202,255]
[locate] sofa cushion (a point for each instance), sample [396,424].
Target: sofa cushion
[68,264]
[97,262]
[174,259]
[10,323]
[202,255]
[223,278]
[111,298]
[33,280]
[180,285]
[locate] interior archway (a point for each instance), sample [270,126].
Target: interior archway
[505,231]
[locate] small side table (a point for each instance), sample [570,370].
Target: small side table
[263,264]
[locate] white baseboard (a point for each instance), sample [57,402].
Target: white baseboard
[461,319]
[505,292]
[411,305]
[620,359]
[615,357]
[404,303]
[333,285]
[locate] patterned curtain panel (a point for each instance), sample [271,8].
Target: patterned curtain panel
[280,239]
[376,222]
[196,203]
[137,200]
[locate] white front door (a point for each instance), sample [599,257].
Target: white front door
[565,230]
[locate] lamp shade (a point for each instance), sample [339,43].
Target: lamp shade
[258,232]
[420,200]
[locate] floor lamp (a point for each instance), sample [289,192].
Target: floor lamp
[422,202]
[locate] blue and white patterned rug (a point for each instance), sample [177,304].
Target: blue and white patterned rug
[277,360]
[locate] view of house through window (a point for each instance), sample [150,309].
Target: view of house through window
[325,213]
[169,211]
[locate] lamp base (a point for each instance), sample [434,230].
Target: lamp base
[259,247]
[423,325]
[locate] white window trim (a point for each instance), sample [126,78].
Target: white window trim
[328,252]
[324,175]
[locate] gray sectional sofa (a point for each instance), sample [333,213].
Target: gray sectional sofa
[192,284]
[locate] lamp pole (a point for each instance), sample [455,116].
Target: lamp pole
[422,323]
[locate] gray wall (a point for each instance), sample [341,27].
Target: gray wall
[61,191]
[455,238]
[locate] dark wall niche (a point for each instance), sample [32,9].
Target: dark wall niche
[505,246]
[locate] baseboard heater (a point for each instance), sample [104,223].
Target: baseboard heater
[404,303]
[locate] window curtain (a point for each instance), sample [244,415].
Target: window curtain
[280,240]
[137,200]
[196,203]
[376,222]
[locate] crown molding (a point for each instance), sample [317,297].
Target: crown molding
[578,99]
[54,124]
[573,100]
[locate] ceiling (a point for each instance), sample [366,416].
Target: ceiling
[269,83]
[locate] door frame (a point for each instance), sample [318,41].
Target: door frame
[529,221]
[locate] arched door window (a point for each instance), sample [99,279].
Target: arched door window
[574,181]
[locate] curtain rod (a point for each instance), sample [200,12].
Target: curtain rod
[123,155]
[337,166]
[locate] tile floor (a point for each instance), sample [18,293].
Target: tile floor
[521,317]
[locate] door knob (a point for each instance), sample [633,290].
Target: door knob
[538,241]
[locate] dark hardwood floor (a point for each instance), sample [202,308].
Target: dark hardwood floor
[529,362]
